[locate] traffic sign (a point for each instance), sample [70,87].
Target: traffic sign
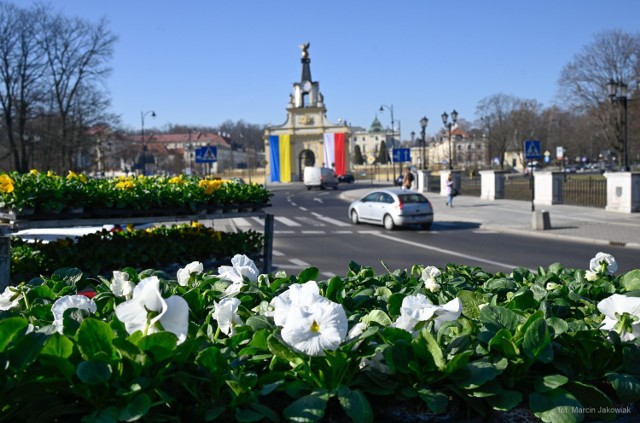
[532,150]
[207,154]
[401,155]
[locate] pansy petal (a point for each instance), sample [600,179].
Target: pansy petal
[176,317]
[133,314]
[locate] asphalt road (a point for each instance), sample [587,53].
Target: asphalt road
[312,229]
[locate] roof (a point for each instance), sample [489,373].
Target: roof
[183,138]
[376,126]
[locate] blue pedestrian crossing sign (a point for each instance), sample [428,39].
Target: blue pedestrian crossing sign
[207,154]
[401,155]
[532,150]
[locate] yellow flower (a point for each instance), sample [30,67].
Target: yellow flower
[196,224]
[51,174]
[124,185]
[176,180]
[209,186]
[6,183]
[130,227]
[34,172]
[72,176]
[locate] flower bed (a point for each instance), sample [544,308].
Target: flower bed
[37,195]
[560,344]
[157,247]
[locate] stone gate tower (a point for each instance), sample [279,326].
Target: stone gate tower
[306,138]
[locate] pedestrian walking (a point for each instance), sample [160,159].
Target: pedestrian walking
[451,190]
[407,179]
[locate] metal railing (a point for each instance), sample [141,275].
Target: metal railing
[470,185]
[585,191]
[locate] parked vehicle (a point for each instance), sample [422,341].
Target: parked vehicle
[392,207]
[347,178]
[320,177]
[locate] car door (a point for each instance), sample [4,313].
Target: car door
[381,207]
[367,206]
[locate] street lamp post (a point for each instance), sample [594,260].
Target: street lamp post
[143,166]
[423,127]
[618,94]
[393,123]
[449,125]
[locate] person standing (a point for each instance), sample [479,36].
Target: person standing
[451,190]
[407,179]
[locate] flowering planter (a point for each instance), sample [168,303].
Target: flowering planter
[421,344]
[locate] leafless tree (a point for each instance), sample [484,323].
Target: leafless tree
[497,113]
[613,54]
[21,72]
[76,53]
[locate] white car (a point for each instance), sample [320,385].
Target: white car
[392,207]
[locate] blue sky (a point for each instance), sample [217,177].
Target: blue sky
[202,62]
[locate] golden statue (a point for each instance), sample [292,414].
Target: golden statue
[305,50]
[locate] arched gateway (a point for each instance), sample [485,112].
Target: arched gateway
[307,138]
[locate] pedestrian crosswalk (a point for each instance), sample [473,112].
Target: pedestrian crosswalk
[307,223]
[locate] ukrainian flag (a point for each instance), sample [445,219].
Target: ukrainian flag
[280,158]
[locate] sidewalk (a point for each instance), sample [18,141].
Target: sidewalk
[587,224]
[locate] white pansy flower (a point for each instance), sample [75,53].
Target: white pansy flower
[357,330]
[121,286]
[184,274]
[418,308]
[551,286]
[622,314]
[591,275]
[430,272]
[603,263]
[432,285]
[376,362]
[297,296]
[226,314]
[312,330]
[62,304]
[10,298]
[241,267]
[148,312]
[428,276]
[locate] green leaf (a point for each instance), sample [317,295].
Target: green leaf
[9,328]
[106,415]
[377,316]
[477,373]
[281,351]
[631,281]
[502,342]
[550,382]
[355,404]
[259,322]
[160,345]
[58,346]
[26,350]
[498,317]
[334,289]
[135,409]
[627,386]
[213,361]
[471,300]
[437,401]
[247,416]
[308,409]
[95,337]
[537,342]
[93,372]
[598,402]
[434,349]
[505,400]
[557,406]
[308,274]
[522,300]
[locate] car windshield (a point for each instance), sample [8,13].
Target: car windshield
[412,198]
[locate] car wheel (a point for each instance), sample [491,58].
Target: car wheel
[309,188]
[354,217]
[426,226]
[388,222]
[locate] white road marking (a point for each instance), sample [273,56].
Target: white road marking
[286,221]
[303,208]
[309,221]
[319,200]
[442,250]
[331,220]
[277,253]
[299,262]
[312,232]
